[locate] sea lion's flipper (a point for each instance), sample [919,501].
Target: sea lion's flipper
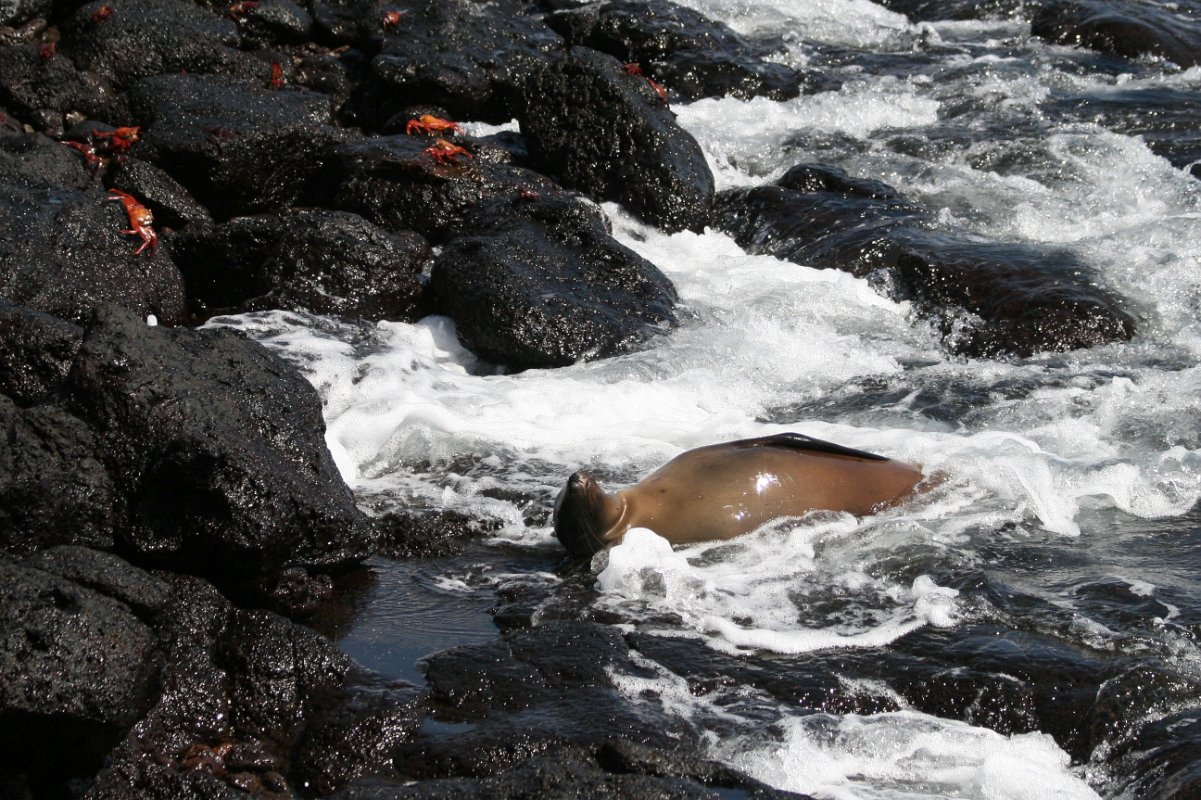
[799,441]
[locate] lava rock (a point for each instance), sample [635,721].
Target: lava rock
[1027,299]
[79,669]
[326,262]
[391,181]
[141,38]
[1124,29]
[36,351]
[1162,759]
[559,776]
[62,243]
[986,298]
[18,12]
[473,58]
[541,283]
[34,83]
[251,703]
[54,489]
[274,22]
[608,134]
[237,147]
[105,573]
[936,10]
[695,56]
[215,447]
[355,733]
[173,207]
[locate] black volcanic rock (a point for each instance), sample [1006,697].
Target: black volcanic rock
[987,298]
[173,206]
[43,85]
[79,669]
[36,351]
[327,262]
[608,134]
[472,58]
[18,12]
[392,182]
[541,283]
[239,148]
[141,38]
[215,447]
[1124,29]
[935,10]
[691,54]
[62,243]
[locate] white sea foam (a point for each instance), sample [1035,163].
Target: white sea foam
[907,755]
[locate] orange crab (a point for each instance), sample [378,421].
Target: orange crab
[391,19]
[444,152]
[140,220]
[428,123]
[121,139]
[277,76]
[635,70]
[88,152]
[101,14]
[242,8]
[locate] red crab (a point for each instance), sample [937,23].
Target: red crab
[101,14]
[391,19]
[277,76]
[48,50]
[240,9]
[140,220]
[88,152]
[635,69]
[428,123]
[121,139]
[444,152]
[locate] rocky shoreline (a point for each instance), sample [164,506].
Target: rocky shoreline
[169,512]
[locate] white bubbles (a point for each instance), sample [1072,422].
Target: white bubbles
[907,755]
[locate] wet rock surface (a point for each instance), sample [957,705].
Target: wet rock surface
[1124,29]
[690,54]
[540,283]
[167,501]
[986,298]
[609,134]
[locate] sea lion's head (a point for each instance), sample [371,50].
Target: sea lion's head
[584,514]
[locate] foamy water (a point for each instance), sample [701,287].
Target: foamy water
[1038,448]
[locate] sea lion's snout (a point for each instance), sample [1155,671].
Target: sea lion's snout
[577,515]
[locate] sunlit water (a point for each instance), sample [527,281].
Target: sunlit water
[1082,464]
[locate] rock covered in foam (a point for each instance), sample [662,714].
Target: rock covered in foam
[536,282]
[692,55]
[986,298]
[608,134]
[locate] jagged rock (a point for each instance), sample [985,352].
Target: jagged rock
[326,262]
[36,351]
[692,55]
[215,447]
[237,147]
[62,246]
[472,58]
[34,81]
[393,183]
[18,12]
[540,283]
[79,669]
[606,133]
[172,205]
[107,574]
[935,10]
[274,22]
[987,298]
[1126,29]
[141,38]
[53,487]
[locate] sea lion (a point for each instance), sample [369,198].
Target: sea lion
[725,490]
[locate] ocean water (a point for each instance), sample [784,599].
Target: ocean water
[1071,478]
